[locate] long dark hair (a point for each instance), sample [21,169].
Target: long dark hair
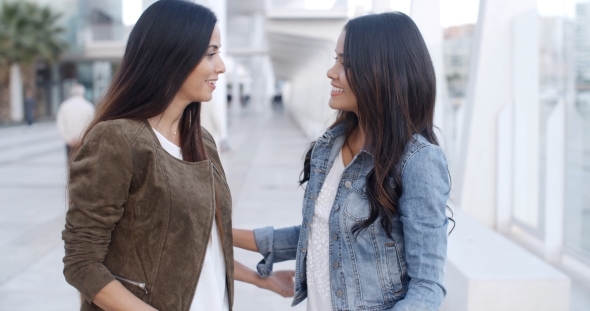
[168,41]
[390,72]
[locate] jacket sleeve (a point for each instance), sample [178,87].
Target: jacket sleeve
[422,206]
[275,245]
[98,186]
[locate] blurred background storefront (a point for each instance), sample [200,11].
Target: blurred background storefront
[513,109]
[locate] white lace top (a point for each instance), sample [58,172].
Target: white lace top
[318,244]
[211,293]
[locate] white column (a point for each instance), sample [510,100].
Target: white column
[426,14]
[527,115]
[505,168]
[259,100]
[555,183]
[16,94]
[490,87]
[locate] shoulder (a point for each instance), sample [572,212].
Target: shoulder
[207,136]
[420,152]
[125,129]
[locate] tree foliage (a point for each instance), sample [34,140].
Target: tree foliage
[29,32]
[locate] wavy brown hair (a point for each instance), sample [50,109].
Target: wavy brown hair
[168,41]
[390,72]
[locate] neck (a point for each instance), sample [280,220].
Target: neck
[356,140]
[168,120]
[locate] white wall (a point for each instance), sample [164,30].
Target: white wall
[490,87]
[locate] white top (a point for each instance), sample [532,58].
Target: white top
[211,293]
[318,243]
[73,117]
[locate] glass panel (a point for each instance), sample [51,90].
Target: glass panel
[577,223]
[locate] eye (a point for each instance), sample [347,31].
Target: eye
[210,54]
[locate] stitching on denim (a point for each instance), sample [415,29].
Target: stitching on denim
[409,156]
[352,260]
[380,271]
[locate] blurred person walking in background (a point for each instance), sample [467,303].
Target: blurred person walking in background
[30,106]
[73,116]
[374,231]
[149,219]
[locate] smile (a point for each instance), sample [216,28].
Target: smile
[211,82]
[337,90]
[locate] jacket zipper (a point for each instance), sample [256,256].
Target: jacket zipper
[220,175]
[138,284]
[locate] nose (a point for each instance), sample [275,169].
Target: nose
[220,66]
[332,74]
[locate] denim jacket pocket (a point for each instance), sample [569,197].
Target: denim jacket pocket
[394,269]
[356,206]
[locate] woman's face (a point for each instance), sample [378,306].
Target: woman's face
[342,97]
[200,83]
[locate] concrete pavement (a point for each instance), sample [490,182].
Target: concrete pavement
[262,169]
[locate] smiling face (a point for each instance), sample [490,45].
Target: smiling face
[200,83]
[342,97]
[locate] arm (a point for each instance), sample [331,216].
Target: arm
[115,297]
[276,245]
[244,239]
[280,282]
[422,208]
[98,186]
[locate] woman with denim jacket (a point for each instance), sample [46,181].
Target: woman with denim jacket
[374,230]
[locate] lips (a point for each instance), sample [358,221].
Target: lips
[211,82]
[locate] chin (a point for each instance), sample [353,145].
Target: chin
[204,99]
[333,105]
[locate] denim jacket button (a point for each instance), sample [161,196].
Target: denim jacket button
[335,237]
[336,265]
[303,250]
[339,293]
[348,184]
[336,207]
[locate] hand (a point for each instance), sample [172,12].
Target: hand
[280,282]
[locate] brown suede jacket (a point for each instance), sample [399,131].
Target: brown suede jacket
[140,215]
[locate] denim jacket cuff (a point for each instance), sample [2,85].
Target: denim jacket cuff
[264,238]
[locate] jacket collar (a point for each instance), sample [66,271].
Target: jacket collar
[330,135]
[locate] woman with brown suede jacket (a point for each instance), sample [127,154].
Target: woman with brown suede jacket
[149,219]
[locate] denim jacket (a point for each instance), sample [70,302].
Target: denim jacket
[373,272]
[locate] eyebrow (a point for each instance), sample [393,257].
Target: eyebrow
[215,46]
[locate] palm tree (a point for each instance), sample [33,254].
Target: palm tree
[28,33]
